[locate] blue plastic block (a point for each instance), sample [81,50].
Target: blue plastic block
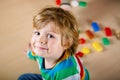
[95,27]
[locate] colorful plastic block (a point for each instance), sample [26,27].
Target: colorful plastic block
[79,54]
[108,31]
[117,34]
[58,2]
[89,34]
[95,26]
[65,3]
[74,3]
[82,41]
[85,50]
[65,6]
[105,41]
[82,3]
[97,46]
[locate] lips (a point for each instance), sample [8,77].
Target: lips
[42,48]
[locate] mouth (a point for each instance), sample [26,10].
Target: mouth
[42,48]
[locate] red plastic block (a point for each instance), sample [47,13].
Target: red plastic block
[89,34]
[58,2]
[82,41]
[79,54]
[108,31]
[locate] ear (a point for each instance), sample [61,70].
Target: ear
[67,44]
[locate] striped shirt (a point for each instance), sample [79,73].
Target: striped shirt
[67,69]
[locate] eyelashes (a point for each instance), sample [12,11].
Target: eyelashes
[50,36]
[37,33]
[47,35]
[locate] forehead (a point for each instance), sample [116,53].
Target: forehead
[50,26]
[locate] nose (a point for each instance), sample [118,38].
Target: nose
[42,40]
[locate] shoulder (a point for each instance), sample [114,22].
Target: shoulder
[67,63]
[67,68]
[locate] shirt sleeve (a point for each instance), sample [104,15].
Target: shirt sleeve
[31,55]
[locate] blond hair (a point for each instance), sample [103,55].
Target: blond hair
[65,22]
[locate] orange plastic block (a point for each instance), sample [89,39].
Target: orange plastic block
[89,34]
[97,46]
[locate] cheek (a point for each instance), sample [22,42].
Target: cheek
[55,46]
[33,41]
[52,42]
[51,45]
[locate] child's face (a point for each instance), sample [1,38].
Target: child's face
[46,42]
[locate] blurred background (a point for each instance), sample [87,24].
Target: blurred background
[16,30]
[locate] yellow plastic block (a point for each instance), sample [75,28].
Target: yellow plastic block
[85,50]
[97,46]
[33,54]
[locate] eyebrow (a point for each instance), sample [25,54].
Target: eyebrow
[53,32]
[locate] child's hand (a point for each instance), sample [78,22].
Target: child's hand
[28,47]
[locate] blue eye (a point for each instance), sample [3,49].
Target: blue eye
[50,36]
[37,33]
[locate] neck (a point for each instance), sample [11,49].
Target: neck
[49,63]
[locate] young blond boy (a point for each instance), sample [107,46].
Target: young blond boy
[53,46]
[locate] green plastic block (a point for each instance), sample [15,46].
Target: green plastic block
[105,41]
[82,3]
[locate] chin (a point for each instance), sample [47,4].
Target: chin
[40,54]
